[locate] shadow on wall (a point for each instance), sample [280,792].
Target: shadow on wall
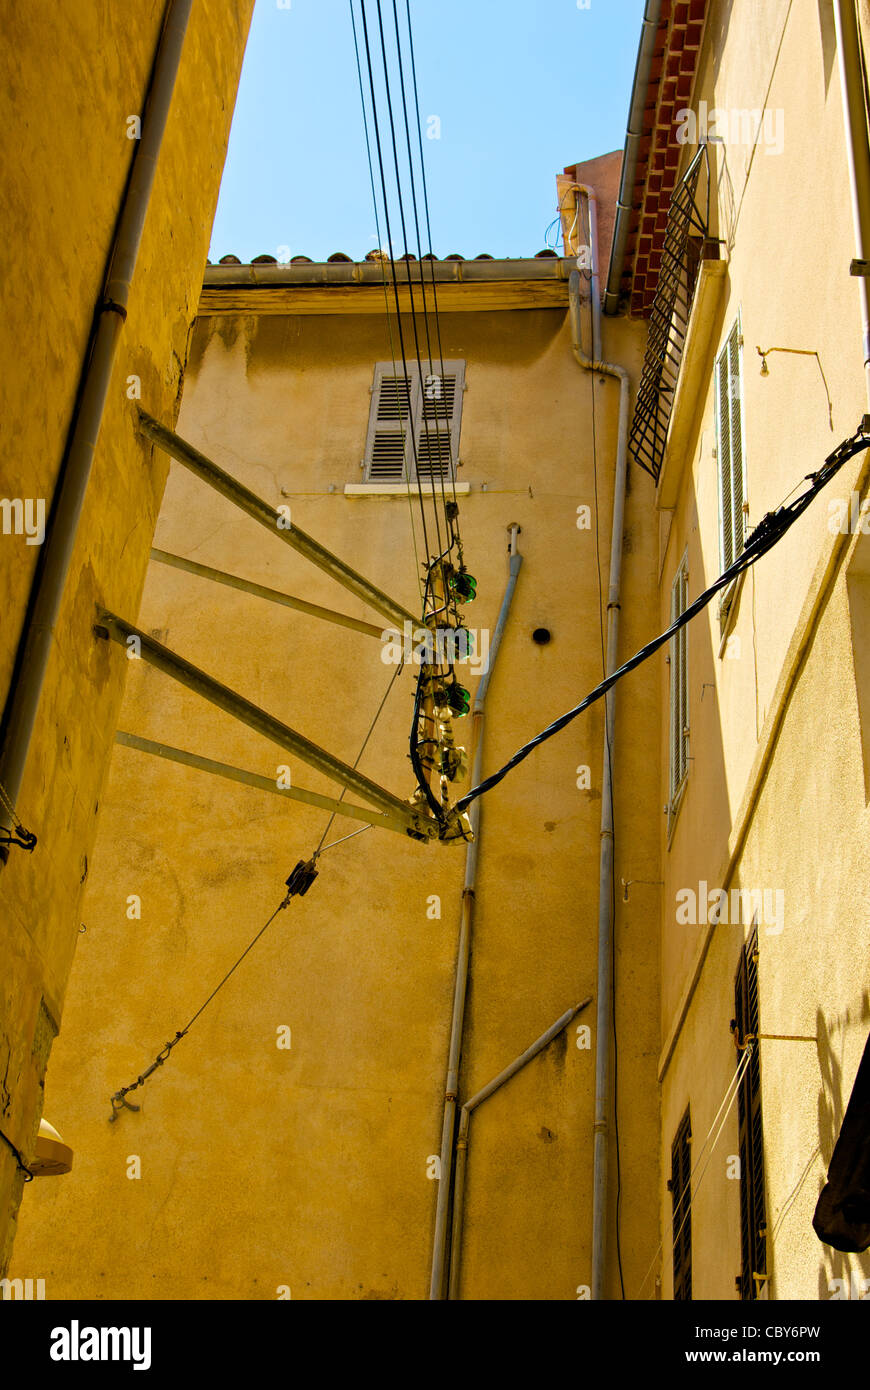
[841,1276]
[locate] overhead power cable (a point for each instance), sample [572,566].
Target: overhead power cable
[382,263]
[429,239]
[769,531]
[383,183]
[298,883]
[430,376]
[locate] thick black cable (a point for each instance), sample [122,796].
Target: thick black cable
[414,753]
[766,535]
[119,1100]
[320,850]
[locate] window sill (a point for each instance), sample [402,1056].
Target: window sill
[399,489]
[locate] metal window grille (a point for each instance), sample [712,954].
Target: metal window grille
[414,422]
[753,1221]
[679,695]
[681,1198]
[686,233]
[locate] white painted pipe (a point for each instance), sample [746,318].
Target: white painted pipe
[604,997]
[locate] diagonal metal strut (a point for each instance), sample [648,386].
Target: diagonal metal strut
[265,784]
[255,507]
[171,664]
[247,586]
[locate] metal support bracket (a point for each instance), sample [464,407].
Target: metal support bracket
[255,507]
[109,625]
[268,784]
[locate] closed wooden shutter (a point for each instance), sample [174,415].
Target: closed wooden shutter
[729,435]
[753,1227]
[390,423]
[414,422]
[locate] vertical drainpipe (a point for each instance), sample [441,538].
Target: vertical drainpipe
[436,1287]
[24,695]
[857,151]
[604,993]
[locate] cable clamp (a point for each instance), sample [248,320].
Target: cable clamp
[301,879]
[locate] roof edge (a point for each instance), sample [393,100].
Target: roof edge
[633,136]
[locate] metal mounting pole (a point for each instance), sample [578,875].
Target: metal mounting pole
[171,664]
[255,507]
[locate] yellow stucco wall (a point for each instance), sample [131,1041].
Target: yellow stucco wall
[786,221]
[307,1168]
[69,157]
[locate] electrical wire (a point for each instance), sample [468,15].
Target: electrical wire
[402,416]
[320,850]
[383,183]
[23,838]
[119,1099]
[423,399]
[297,885]
[766,535]
[429,238]
[403,224]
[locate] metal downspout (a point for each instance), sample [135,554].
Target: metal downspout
[633,137]
[48,587]
[604,1023]
[436,1287]
[857,151]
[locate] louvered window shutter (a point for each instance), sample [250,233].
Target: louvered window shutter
[679,712]
[438,420]
[681,1198]
[394,405]
[753,1238]
[729,423]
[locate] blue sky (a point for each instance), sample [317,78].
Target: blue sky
[521,88]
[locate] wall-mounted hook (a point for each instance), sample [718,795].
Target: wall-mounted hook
[651,882]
